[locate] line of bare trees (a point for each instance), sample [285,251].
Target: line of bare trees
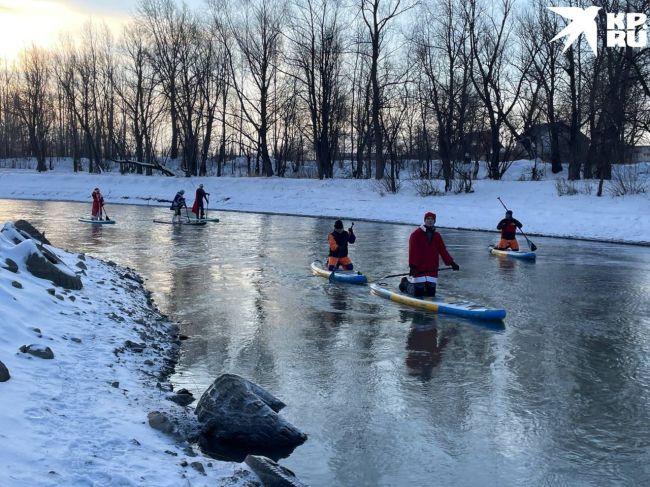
[366,84]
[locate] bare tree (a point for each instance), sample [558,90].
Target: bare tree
[33,102]
[138,88]
[86,77]
[377,16]
[317,51]
[256,31]
[496,79]
[441,48]
[10,124]
[162,19]
[360,99]
[537,30]
[398,105]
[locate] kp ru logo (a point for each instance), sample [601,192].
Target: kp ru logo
[623,29]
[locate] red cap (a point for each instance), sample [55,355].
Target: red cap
[429,214]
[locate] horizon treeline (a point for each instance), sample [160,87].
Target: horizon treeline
[369,82]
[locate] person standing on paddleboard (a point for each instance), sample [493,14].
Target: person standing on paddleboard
[197,207]
[338,243]
[426,247]
[508,227]
[98,204]
[177,204]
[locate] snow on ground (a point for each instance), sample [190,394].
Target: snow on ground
[535,203]
[81,417]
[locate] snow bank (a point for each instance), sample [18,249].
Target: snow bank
[535,203]
[80,418]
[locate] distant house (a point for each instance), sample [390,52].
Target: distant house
[637,153]
[478,145]
[539,136]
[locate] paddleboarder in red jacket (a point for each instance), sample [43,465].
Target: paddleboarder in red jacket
[98,204]
[197,207]
[426,248]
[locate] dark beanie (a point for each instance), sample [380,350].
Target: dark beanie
[338,224]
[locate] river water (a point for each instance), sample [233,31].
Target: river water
[390,396]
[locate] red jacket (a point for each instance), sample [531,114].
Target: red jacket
[424,254]
[98,202]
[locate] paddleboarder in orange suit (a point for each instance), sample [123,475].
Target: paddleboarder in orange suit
[426,247]
[508,227]
[338,243]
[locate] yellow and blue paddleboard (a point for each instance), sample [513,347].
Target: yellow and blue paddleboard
[351,277]
[456,307]
[514,255]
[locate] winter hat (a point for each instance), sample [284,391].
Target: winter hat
[200,185]
[338,224]
[430,214]
[182,191]
[509,212]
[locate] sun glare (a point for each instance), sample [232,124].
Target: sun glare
[39,22]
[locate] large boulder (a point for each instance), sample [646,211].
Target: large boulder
[4,373]
[42,267]
[40,351]
[236,411]
[38,258]
[271,473]
[28,230]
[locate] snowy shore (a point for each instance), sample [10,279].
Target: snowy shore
[535,203]
[82,370]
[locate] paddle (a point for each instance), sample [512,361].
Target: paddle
[532,246]
[404,274]
[108,218]
[331,276]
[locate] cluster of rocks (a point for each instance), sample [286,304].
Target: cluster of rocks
[236,420]
[43,263]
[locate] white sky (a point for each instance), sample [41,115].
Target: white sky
[40,22]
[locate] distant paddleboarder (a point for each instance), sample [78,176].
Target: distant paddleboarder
[98,204]
[197,207]
[177,204]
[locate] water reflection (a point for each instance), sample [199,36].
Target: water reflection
[232,452]
[506,263]
[96,232]
[425,345]
[392,396]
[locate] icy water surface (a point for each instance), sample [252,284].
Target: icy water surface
[390,396]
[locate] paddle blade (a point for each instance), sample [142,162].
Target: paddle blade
[533,247]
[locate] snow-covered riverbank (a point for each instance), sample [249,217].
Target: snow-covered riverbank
[82,370]
[536,203]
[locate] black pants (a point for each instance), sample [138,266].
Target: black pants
[418,289]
